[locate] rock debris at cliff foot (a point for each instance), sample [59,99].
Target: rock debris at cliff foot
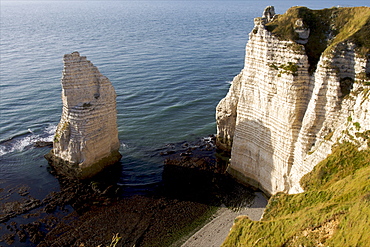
[86,139]
[305,86]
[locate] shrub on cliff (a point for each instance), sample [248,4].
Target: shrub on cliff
[334,210]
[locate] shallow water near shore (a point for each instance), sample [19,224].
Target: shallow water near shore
[169,61]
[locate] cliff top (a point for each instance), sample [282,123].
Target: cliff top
[327,28]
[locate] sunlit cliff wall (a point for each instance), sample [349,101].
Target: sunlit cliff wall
[291,103]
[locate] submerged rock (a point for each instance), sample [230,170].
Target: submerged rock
[86,139]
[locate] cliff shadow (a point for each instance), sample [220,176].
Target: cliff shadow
[346,75]
[206,187]
[200,176]
[330,96]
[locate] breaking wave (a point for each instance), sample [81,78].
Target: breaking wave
[27,140]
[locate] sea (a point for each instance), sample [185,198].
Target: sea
[170,62]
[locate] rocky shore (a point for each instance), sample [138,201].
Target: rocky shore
[93,212]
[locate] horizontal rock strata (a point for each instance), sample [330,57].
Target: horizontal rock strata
[86,139]
[279,119]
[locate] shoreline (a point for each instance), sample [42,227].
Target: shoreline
[195,191]
[216,230]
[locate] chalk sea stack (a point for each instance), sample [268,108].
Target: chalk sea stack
[86,140]
[304,88]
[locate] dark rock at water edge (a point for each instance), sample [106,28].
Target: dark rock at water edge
[73,170]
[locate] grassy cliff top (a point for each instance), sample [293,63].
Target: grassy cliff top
[334,210]
[328,27]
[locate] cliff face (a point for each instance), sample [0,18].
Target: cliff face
[86,139]
[294,100]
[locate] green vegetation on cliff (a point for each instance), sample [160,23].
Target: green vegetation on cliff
[334,210]
[328,28]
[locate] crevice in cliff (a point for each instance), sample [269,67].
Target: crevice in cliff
[284,27]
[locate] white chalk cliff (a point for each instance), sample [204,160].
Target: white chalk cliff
[86,139]
[284,112]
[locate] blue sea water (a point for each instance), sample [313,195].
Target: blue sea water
[169,61]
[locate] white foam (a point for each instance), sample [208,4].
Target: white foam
[20,144]
[2,150]
[208,140]
[124,146]
[51,129]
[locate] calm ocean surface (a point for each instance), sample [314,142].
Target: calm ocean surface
[169,61]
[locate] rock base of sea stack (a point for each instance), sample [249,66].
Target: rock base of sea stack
[73,170]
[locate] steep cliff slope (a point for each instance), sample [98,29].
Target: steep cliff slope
[86,139]
[304,87]
[334,210]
